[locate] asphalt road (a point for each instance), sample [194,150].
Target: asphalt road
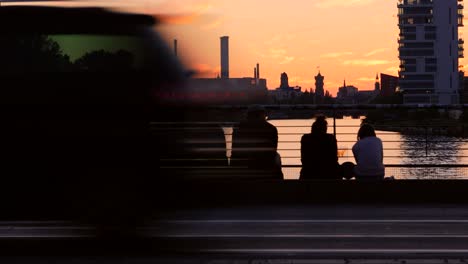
[333,232]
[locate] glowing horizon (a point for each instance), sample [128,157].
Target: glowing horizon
[343,41]
[346,40]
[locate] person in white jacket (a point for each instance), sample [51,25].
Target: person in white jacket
[368,153]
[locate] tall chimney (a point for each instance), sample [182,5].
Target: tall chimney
[258,71]
[175,47]
[255,74]
[225,57]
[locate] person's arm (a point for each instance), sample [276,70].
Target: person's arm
[381,149]
[275,139]
[303,151]
[335,148]
[355,152]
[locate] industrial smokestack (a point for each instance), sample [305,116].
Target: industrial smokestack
[255,74]
[175,47]
[225,57]
[258,71]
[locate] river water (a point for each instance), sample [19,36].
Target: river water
[398,149]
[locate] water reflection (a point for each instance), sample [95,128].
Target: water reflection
[398,149]
[432,150]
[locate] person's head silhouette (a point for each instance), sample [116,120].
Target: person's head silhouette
[366,130]
[320,125]
[256,112]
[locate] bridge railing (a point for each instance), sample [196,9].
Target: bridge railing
[412,151]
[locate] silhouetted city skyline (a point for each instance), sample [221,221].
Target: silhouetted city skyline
[349,41]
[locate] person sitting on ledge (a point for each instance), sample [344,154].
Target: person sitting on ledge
[368,152]
[254,146]
[319,153]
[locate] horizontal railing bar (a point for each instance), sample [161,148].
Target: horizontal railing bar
[340,106]
[300,166]
[308,127]
[295,126]
[406,166]
[384,141]
[379,134]
[349,148]
[386,156]
[396,141]
[406,149]
[417,126]
[383,135]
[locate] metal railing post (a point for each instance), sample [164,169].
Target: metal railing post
[334,122]
[427,138]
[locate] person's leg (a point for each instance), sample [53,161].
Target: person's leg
[347,170]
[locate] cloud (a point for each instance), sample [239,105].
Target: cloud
[333,84]
[287,60]
[342,3]
[361,62]
[180,19]
[183,7]
[172,12]
[366,79]
[272,53]
[205,70]
[336,54]
[218,22]
[280,38]
[371,53]
[279,55]
[301,81]
[277,52]
[393,70]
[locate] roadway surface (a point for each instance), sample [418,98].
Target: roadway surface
[268,234]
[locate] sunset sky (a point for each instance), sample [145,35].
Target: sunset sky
[347,39]
[352,40]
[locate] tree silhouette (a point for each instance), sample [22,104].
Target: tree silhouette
[328,98]
[32,53]
[101,60]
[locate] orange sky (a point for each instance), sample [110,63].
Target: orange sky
[347,39]
[352,39]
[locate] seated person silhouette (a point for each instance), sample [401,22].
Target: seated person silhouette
[368,152]
[254,147]
[319,153]
[191,150]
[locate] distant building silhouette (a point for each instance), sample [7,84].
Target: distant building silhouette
[245,90]
[429,49]
[225,57]
[365,97]
[284,81]
[285,92]
[257,75]
[347,94]
[377,84]
[319,90]
[389,84]
[226,90]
